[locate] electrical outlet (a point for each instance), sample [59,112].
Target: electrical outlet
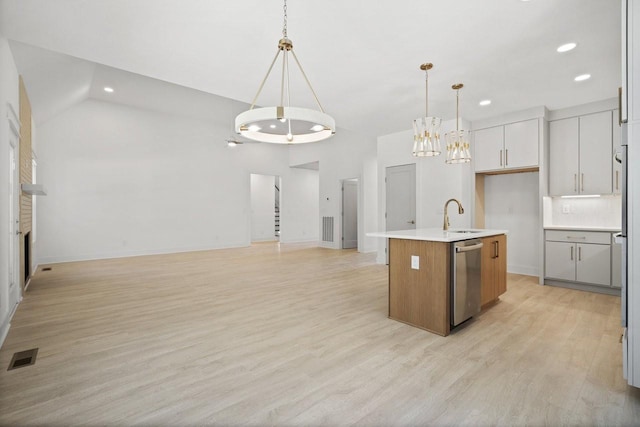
[415,262]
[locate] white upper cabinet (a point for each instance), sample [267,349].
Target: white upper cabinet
[512,146]
[488,145]
[563,155]
[521,144]
[580,155]
[596,153]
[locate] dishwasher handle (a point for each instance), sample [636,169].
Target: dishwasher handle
[468,248]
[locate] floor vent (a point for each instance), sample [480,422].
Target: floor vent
[46,269]
[327,229]
[23,358]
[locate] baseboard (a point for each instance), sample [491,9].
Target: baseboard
[583,287]
[523,269]
[309,240]
[4,331]
[129,254]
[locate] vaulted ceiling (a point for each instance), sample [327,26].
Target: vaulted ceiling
[362,57]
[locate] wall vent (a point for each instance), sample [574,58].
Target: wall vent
[23,358]
[327,229]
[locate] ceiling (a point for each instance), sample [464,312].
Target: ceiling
[362,57]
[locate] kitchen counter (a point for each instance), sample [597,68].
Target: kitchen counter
[577,228]
[438,234]
[422,274]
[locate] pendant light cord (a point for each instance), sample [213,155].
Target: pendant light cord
[284,24]
[458,110]
[426,93]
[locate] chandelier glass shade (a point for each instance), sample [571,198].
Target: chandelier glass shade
[458,147]
[284,124]
[426,130]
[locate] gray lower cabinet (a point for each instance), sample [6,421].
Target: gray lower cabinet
[584,257]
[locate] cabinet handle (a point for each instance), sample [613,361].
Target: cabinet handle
[617,180]
[506,157]
[577,237]
[582,182]
[575,182]
[571,253]
[579,253]
[500,157]
[497,249]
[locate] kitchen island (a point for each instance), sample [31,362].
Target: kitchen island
[421,273]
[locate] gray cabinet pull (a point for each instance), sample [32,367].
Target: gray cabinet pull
[575,182]
[571,253]
[500,157]
[506,157]
[579,253]
[582,182]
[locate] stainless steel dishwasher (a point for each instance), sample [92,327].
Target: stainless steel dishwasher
[465,280]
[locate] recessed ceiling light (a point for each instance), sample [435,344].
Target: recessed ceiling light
[485,102]
[317,128]
[254,128]
[108,89]
[566,47]
[582,77]
[272,126]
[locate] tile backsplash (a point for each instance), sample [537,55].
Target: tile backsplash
[605,211]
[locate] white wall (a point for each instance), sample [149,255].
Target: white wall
[343,156]
[8,95]
[300,216]
[263,207]
[125,181]
[436,182]
[511,202]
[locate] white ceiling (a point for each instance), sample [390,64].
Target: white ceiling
[362,57]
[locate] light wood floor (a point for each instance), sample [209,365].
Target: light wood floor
[296,335]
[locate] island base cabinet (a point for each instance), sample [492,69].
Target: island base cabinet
[419,293]
[494,268]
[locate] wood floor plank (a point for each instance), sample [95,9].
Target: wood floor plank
[299,335]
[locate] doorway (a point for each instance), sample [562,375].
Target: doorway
[14,293]
[265,208]
[350,213]
[401,197]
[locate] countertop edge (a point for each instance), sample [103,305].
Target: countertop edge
[454,237]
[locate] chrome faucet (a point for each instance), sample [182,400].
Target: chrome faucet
[445,227]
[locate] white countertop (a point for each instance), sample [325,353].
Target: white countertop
[437,234]
[580,228]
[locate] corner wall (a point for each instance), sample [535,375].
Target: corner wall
[126,181]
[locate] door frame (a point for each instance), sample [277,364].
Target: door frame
[15,287]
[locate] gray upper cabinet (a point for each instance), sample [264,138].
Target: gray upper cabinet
[512,146]
[580,155]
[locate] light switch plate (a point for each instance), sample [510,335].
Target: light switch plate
[415,262]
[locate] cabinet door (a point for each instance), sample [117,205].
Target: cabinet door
[594,264]
[563,157]
[501,265]
[595,153]
[617,167]
[521,144]
[487,281]
[488,148]
[560,260]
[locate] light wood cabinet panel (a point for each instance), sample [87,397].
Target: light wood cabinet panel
[521,144]
[563,157]
[493,268]
[420,297]
[560,260]
[596,153]
[488,149]
[593,264]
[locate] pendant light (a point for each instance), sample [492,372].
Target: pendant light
[458,149]
[426,130]
[284,124]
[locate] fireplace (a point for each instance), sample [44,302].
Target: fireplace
[27,256]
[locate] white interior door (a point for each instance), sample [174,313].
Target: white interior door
[401,197]
[14,225]
[349,214]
